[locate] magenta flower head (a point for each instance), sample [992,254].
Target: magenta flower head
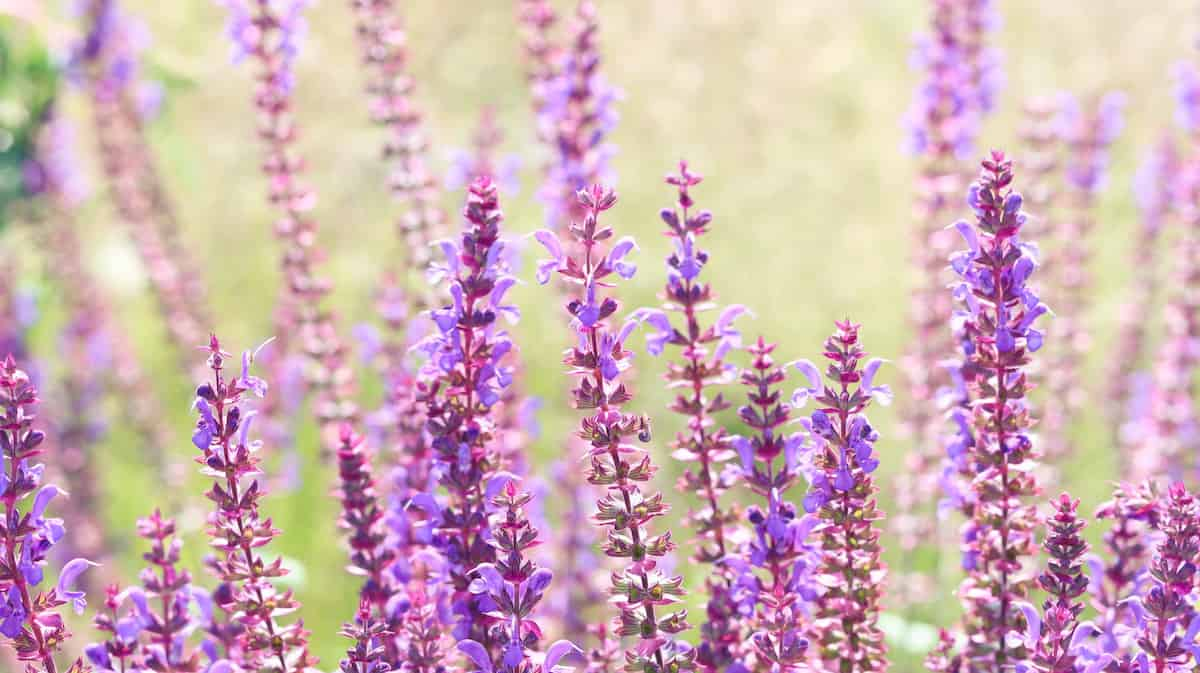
[238,531]
[368,655]
[468,368]
[995,325]
[1121,574]
[1166,617]
[511,589]
[575,118]
[362,516]
[148,627]
[30,619]
[775,573]
[642,593]
[1051,635]
[699,368]
[842,495]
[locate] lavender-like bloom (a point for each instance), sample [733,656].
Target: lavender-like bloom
[383,41]
[1051,638]
[30,621]
[269,32]
[1153,190]
[995,318]
[775,570]
[108,58]
[942,125]
[640,589]
[701,367]
[512,587]
[368,632]
[1088,136]
[543,56]
[842,494]
[1121,574]
[236,526]
[362,516]
[574,119]
[985,77]
[467,370]
[1165,614]
[153,631]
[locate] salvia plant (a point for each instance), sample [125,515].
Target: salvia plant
[468,557]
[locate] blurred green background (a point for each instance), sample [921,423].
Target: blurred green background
[790,109]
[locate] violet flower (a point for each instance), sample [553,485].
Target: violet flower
[363,517]
[703,444]
[108,61]
[236,526]
[641,591]
[1051,641]
[512,587]
[1121,574]
[148,627]
[574,117]
[269,33]
[775,583]
[368,633]
[1167,621]
[845,626]
[942,124]
[543,56]
[1153,191]
[383,44]
[996,316]
[1088,136]
[30,621]
[466,372]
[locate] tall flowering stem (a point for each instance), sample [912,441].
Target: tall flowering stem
[363,517]
[384,46]
[700,368]
[575,118]
[268,32]
[842,495]
[1166,633]
[1052,633]
[1152,185]
[108,59]
[237,529]
[996,313]
[511,588]
[543,55]
[640,589]
[467,370]
[152,632]
[775,570]
[367,632]
[941,125]
[1088,136]
[1121,575]
[30,622]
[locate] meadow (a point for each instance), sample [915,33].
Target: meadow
[792,111]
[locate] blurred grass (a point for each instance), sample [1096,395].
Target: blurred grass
[790,109]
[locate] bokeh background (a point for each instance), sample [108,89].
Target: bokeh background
[792,110]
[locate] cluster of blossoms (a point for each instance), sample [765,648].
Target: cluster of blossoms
[701,444]
[30,618]
[107,62]
[774,587]
[960,77]
[1087,136]
[1052,633]
[248,594]
[467,370]
[995,325]
[842,494]
[269,33]
[641,591]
